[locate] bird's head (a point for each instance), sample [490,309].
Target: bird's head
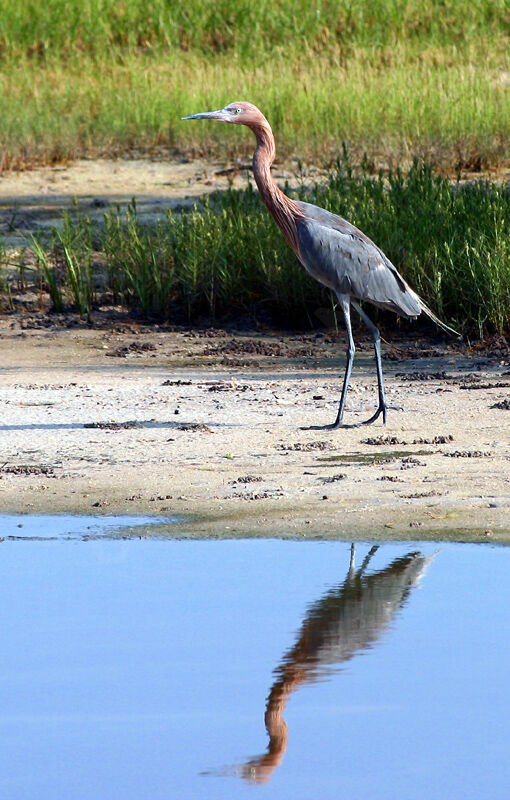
[240,113]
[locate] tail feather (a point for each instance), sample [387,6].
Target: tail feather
[426,310]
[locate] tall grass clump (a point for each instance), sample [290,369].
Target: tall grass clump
[5,289]
[227,257]
[74,246]
[212,261]
[140,267]
[65,267]
[48,273]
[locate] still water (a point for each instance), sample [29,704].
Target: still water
[209,670]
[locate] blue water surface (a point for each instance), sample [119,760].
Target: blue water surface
[141,669]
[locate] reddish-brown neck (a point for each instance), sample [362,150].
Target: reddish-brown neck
[284,211]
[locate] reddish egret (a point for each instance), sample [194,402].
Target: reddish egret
[331,250]
[349,619]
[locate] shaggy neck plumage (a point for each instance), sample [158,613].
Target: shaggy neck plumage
[282,208]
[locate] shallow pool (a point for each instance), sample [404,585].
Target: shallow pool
[154,669]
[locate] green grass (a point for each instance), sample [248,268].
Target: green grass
[214,26]
[228,258]
[394,78]
[5,287]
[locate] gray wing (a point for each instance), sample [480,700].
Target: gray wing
[340,256]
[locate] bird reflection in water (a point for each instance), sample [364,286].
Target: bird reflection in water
[349,618]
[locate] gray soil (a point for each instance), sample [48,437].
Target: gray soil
[213,426]
[37,198]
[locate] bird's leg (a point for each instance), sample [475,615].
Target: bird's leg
[376,336]
[373,550]
[352,561]
[352,564]
[345,303]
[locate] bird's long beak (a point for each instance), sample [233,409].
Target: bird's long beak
[221,115]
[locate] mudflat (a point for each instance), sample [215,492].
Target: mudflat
[212,426]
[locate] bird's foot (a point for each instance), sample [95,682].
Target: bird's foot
[331,427]
[383,408]
[337,424]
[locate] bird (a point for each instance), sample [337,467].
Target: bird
[331,250]
[347,620]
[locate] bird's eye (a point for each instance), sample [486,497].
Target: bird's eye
[236,110]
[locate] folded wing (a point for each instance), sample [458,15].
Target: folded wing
[341,257]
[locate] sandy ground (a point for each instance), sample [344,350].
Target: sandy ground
[208,425]
[37,198]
